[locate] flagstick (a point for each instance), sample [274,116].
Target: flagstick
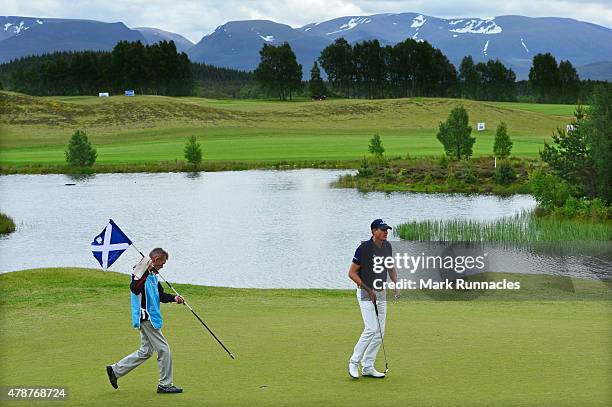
[196,315]
[135,248]
[188,306]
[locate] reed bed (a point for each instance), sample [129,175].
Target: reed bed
[521,228]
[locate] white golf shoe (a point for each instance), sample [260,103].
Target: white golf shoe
[353,370]
[372,372]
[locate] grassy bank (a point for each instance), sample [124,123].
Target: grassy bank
[151,129]
[7,225]
[551,347]
[476,175]
[176,166]
[521,229]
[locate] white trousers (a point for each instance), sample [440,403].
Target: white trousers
[369,342]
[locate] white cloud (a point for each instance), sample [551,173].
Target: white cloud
[193,18]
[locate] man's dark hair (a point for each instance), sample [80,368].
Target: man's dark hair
[158,251]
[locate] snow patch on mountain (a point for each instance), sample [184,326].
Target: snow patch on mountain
[15,28]
[477,26]
[484,51]
[352,23]
[267,38]
[39,22]
[418,21]
[524,46]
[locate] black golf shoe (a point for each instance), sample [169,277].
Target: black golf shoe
[111,376]
[169,389]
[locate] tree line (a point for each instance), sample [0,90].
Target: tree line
[152,69]
[414,68]
[362,70]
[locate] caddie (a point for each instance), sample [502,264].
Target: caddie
[147,293]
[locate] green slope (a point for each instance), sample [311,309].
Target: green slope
[153,128]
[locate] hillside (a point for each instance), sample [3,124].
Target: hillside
[36,130]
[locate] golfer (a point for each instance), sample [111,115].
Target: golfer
[147,293]
[362,273]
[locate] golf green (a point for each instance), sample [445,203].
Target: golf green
[545,346]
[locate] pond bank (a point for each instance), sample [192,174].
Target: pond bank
[176,166]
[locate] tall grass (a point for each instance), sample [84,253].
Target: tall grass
[6,224]
[521,228]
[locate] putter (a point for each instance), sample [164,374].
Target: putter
[381,338]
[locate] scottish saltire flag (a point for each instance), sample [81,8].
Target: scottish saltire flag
[110,244]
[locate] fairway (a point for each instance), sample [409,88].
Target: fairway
[546,346]
[150,129]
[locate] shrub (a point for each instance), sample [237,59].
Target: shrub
[583,208]
[505,173]
[6,224]
[390,175]
[444,162]
[549,190]
[455,134]
[365,170]
[376,147]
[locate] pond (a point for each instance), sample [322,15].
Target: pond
[263,229]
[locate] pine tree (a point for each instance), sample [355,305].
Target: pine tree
[80,152]
[468,78]
[316,84]
[278,70]
[193,151]
[338,62]
[502,145]
[544,78]
[570,82]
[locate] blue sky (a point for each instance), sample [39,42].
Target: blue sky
[194,19]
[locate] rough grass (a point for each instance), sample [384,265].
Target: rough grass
[546,347]
[432,174]
[148,129]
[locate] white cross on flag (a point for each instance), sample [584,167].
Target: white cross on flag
[110,244]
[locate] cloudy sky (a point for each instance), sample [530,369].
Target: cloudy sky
[193,18]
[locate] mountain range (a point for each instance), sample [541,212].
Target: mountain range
[512,39]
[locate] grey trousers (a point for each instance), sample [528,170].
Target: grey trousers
[152,340]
